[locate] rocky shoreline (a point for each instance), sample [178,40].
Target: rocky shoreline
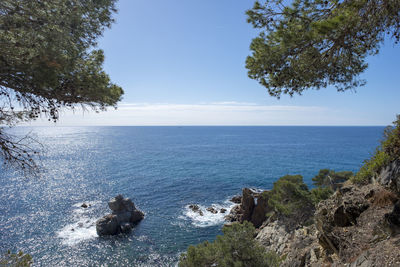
[356,226]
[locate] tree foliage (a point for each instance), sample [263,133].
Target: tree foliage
[288,194]
[329,178]
[315,43]
[236,247]
[48,61]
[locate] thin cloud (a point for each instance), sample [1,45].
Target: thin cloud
[215,113]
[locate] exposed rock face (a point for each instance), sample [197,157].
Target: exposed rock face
[392,220]
[357,226]
[122,219]
[390,176]
[247,205]
[260,210]
[340,210]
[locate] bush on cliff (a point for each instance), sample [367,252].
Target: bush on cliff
[330,178]
[236,247]
[388,151]
[326,182]
[288,194]
[16,259]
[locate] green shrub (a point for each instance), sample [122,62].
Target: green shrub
[330,178]
[371,167]
[320,193]
[236,247]
[388,151]
[288,194]
[16,259]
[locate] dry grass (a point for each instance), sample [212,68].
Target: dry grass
[383,198]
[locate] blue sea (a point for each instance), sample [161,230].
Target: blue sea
[163,170]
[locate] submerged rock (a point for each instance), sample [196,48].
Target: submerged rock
[124,215]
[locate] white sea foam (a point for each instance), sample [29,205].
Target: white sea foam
[208,218]
[82,228]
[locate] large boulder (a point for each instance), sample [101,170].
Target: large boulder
[122,219]
[108,225]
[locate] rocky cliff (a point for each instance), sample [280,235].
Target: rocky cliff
[356,226]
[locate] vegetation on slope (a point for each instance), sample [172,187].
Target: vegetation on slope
[388,151]
[236,247]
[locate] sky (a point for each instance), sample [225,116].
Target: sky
[182,62]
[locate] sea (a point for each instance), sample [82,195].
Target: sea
[163,170]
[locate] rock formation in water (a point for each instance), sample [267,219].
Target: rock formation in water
[253,207]
[122,219]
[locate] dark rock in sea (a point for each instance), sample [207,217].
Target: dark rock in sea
[84,205]
[108,225]
[222,210]
[126,228]
[236,199]
[212,210]
[196,208]
[124,215]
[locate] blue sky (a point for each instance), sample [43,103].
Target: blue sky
[182,62]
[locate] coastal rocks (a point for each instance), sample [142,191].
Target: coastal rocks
[124,215]
[390,176]
[212,210]
[108,225]
[196,208]
[84,205]
[247,205]
[253,208]
[260,210]
[222,210]
[236,199]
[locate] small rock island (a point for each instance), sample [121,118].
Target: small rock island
[122,219]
